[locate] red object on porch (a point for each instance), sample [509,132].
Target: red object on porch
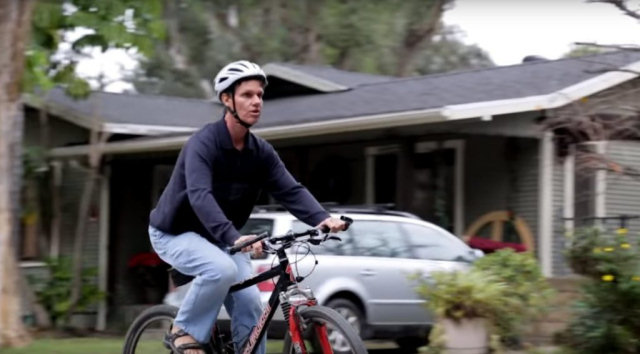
[488,246]
[147,259]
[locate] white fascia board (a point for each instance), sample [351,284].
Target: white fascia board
[143,129]
[549,101]
[302,78]
[124,147]
[292,131]
[387,120]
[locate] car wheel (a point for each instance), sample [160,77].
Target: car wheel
[411,344]
[350,311]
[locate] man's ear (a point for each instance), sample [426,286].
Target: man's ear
[225,98]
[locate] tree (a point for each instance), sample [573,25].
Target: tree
[15,17]
[111,24]
[380,37]
[622,5]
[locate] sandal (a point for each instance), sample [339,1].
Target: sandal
[169,342]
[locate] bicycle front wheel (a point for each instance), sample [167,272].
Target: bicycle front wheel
[148,329]
[341,335]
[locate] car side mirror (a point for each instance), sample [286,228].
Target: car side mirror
[477,253]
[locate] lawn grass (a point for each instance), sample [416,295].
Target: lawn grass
[94,346]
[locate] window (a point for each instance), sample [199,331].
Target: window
[434,244]
[379,239]
[382,173]
[257,226]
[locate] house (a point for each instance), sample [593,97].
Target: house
[462,149]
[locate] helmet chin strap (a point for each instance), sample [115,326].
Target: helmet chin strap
[235,115]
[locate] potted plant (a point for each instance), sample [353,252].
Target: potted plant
[497,296]
[465,304]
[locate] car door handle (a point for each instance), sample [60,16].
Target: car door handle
[367,272]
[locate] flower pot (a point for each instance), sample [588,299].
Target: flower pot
[466,336]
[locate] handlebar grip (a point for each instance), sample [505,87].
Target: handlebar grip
[347,220]
[235,249]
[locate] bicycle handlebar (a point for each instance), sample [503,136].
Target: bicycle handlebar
[288,237]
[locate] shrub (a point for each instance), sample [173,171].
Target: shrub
[607,316]
[526,289]
[54,291]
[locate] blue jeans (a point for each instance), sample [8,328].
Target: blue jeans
[215,271]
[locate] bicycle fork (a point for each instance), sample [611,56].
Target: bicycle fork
[291,301]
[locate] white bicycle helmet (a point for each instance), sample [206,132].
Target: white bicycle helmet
[235,71]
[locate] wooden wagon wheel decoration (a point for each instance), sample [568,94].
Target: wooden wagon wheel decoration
[496,219]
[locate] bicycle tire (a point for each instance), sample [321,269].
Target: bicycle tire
[341,333]
[148,316]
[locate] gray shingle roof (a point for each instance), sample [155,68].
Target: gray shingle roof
[369,94]
[341,77]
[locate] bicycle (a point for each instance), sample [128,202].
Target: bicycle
[311,328]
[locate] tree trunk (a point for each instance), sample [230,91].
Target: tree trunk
[15,19]
[418,32]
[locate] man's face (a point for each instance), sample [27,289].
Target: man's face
[248,97]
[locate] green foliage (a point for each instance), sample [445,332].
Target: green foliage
[505,287]
[526,287]
[607,316]
[54,291]
[127,24]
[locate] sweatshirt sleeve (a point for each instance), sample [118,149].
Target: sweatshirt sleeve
[199,177]
[293,195]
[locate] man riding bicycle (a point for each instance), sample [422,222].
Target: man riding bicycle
[217,179]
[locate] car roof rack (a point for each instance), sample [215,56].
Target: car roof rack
[381,209]
[268,207]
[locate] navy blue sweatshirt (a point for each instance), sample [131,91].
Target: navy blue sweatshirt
[213,187]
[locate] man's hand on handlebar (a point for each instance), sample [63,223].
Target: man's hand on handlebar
[256,248]
[332,225]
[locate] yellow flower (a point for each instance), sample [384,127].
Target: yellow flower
[608,249]
[625,245]
[608,277]
[635,277]
[622,231]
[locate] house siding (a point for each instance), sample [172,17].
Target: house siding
[524,200]
[71,192]
[623,191]
[502,174]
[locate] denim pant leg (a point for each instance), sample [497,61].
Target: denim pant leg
[214,272]
[246,315]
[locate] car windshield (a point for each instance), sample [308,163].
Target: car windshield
[431,242]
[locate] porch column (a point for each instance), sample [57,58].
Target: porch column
[601,185]
[569,192]
[56,213]
[545,207]
[103,248]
